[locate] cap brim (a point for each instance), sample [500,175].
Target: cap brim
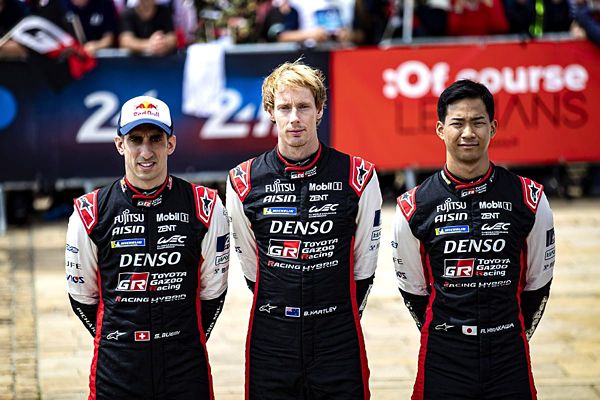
[124,130]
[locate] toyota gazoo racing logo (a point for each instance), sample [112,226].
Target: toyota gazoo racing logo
[459,268]
[132,281]
[284,248]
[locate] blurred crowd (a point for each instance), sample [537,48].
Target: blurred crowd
[159,27]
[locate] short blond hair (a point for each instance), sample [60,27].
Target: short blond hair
[294,74]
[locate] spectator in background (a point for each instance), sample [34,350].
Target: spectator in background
[520,15]
[431,18]
[586,20]
[309,22]
[556,16]
[282,24]
[11,12]
[232,20]
[476,18]
[148,29]
[185,18]
[370,20]
[94,21]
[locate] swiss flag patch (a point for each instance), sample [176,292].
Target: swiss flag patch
[205,203]
[240,178]
[532,193]
[87,208]
[360,172]
[407,203]
[142,336]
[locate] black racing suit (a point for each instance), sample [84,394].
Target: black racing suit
[474,263]
[140,269]
[307,237]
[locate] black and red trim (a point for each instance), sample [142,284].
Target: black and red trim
[465,185]
[360,173]
[139,195]
[201,330]
[299,168]
[532,193]
[87,208]
[407,203]
[205,199]
[240,178]
[97,338]
[520,288]
[361,341]
[250,323]
[419,387]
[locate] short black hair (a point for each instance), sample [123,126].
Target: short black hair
[465,89]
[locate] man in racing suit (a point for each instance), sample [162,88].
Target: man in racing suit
[306,224]
[473,251]
[147,260]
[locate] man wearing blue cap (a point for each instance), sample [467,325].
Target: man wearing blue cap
[146,267]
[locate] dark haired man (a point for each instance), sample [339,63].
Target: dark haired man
[146,266]
[474,254]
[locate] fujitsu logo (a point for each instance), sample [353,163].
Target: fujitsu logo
[277,187]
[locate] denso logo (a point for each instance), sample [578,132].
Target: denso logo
[325,186]
[149,260]
[132,281]
[414,79]
[298,227]
[474,245]
[284,248]
[173,216]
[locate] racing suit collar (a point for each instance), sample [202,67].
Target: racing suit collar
[468,187]
[148,198]
[308,167]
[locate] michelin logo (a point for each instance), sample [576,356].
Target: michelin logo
[116,244]
[280,211]
[445,230]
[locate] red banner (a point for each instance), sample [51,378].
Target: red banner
[547,96]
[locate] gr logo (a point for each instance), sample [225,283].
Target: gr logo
[284,248]
[459,268]
[132,281]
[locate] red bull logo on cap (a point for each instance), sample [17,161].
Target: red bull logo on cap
[146,106]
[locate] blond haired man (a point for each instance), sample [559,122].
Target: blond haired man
[306,224]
